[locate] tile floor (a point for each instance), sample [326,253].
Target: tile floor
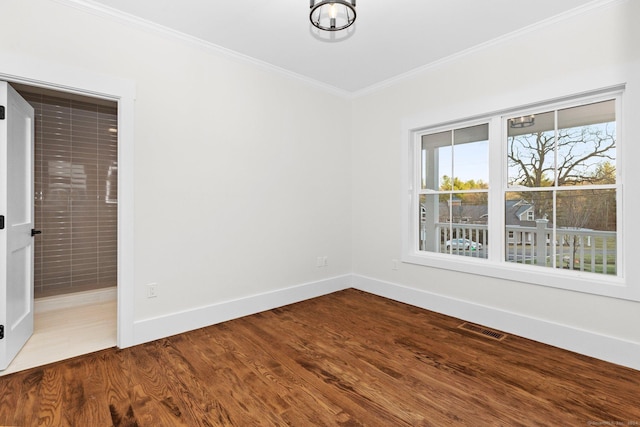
[69,326]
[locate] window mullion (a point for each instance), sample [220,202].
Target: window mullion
[453,175]
[554,234]
[497,188]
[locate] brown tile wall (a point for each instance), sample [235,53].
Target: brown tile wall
[75,195]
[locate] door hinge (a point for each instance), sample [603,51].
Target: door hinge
[1,332]
[1,222]
[1,112]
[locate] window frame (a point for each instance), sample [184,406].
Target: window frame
[495,264]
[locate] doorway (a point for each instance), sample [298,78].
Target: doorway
[31,71]
[76,192]
[75,269]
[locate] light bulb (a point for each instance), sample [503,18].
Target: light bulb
[333,12]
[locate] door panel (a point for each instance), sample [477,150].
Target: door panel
[16,242]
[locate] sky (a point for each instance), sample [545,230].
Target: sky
[471,161]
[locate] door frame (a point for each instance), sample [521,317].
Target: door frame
[33,72]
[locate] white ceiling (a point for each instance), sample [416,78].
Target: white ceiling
[391,37]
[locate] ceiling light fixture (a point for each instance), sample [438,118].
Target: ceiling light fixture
[522,122]
[332,15]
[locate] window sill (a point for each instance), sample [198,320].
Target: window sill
[615,287]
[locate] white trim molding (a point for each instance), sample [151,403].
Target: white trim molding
[146,330]
[607,348]
[98,9]
[593,6]
[603,347]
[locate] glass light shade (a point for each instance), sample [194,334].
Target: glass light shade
[522,122]
[332,15]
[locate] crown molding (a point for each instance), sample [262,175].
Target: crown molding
[95,8]
[101,10]
[594,5]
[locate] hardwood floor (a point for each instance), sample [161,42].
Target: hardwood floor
[347,359]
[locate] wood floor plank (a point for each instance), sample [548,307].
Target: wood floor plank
[394,386]
[112,371]
[284,402]
[297,397]
[250,382]
[344,359]
[50,403]
[327,367]
[84,396]
[10,398]
[187,357]
[153,398]
[29,400]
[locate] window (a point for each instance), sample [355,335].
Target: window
[521,194]
[453,191]
[563,167]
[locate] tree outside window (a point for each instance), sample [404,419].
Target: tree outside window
[564,166]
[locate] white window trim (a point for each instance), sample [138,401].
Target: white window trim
[494,265]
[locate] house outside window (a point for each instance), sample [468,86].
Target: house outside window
[553,205]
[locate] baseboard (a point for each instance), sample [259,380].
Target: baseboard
[175,323]
[75,299]
[610,349]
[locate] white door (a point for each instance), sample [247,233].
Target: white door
[16,223]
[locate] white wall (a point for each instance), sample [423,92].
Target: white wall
[237,188]
[584,53]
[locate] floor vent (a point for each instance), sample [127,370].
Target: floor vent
[481,330]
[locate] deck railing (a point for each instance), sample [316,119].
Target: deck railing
[575,249]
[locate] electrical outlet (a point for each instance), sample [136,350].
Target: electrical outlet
[319,262]
[152,290]
[325,261]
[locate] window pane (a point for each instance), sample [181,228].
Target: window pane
[445,159]
[466,233]
[454,224]
[583,236]
[436,160]
[462,166]
[587,144]
[456,160]
[528,227]
[471,157]
[586,230]
[432,220]
[530,151]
